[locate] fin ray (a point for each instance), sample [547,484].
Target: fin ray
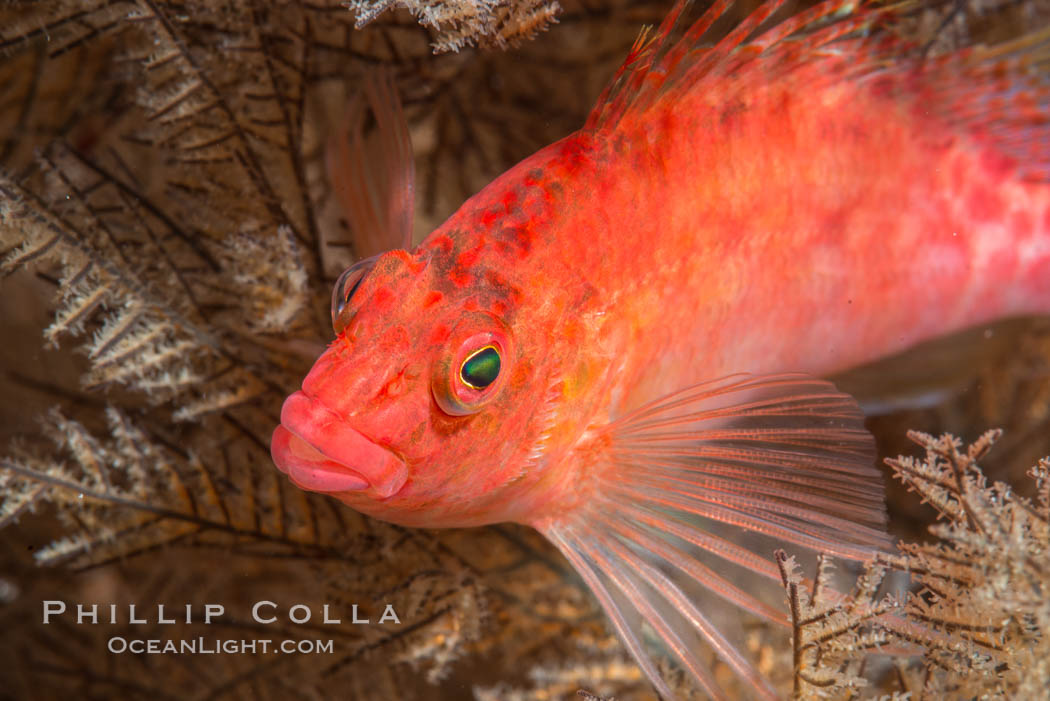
[998,95]
[695,617]
[625,580]
[767,524]
[781,457]
[657,63]
[569,547]
[703,540]
[698,571]
[801,462]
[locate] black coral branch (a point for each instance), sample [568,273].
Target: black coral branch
[462,23]
[975,611]
[985,582]
[130,492]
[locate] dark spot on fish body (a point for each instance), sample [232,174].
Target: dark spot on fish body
[573,155]
[539,205]
[442,244]
[519,236]
[587,291]
[505,291]
[729,115]
[504,249]
[537,195]
[442,256]
[462,271]
[417,434]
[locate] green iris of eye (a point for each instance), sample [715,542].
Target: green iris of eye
[481,369]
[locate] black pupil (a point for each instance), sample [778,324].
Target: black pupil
[481,369]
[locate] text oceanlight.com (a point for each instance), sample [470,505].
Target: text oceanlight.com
[211,646]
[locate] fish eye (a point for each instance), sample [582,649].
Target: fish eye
[472,368]
[481,368]
[344,289]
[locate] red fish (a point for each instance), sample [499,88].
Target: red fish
[617,340]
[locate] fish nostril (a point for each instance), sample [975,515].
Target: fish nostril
[395,386]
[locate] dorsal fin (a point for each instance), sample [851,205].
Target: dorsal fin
[373,174]
[655,65]
[999,96]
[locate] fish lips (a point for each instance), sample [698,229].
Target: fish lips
[321,452]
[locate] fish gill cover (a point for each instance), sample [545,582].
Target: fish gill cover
[169,245]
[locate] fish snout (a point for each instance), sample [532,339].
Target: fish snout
[320,451]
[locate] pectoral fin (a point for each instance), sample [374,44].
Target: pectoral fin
[688,483]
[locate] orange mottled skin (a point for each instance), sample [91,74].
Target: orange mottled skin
[802,224]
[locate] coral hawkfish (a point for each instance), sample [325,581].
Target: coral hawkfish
[617,341]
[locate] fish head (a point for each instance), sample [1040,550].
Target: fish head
[428,407]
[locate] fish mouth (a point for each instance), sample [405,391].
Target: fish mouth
[321,452]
